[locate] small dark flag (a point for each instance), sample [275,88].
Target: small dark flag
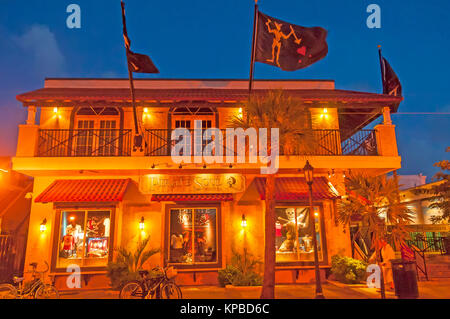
[391,83]
[288,46]
[138,63]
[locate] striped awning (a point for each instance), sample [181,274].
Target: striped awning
[84,190]
[296,188]
[192,197]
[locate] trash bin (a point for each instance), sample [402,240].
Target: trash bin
[405,278]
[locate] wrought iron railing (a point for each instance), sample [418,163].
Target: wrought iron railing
[327,143]
[84,142]
[116,142]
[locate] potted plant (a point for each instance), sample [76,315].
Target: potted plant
[241,273]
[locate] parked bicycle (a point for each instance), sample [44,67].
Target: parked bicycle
[158,285]
[34,289]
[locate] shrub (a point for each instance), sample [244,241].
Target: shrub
[348,270]
[127,263]
[241,271]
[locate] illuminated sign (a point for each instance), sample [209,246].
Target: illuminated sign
[192,184]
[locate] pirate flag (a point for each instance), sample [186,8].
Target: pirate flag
[138,63]
[391,83]
[288,46]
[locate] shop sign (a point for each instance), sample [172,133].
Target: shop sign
[192,184]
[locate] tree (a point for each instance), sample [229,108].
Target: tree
[375,202]
[276,110]
[440,192]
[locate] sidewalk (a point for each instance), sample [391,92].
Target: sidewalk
[437,289]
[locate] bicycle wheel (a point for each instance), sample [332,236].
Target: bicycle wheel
[8,291]
[132,290]
[170,291]
[46,292]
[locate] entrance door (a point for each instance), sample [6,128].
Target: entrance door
[97,132]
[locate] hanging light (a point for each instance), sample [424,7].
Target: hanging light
[43,226]
[243,221]
[55,110]
[308,171]
[142,223]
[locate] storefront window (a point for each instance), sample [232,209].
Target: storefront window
[193,235]
[293,235]
[84,238]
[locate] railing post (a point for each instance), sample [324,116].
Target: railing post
[28,140]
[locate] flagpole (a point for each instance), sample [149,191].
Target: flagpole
[137,137]
[252,60]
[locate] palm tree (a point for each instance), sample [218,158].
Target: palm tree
[135,259]
[374,200]
[276,110]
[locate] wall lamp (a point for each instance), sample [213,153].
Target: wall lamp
[142,223]
[43,226]
[243,221]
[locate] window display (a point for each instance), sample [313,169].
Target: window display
[193,235]
[293,239]
[84,238]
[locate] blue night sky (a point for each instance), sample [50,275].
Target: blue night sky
[212,39]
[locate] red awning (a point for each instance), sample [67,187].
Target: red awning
[84,190]
[295,188]
[192,197]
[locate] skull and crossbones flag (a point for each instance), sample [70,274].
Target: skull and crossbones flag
[288,46]
[138,63]
[391,83]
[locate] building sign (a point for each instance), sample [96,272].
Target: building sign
[192,184]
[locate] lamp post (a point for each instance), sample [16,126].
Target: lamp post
[308,171]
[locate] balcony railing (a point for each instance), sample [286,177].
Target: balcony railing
[115,142]
[84,142]
[328,143]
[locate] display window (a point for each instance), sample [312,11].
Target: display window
[84,238]
[293,241]
[193,236]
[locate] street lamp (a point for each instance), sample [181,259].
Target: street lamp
[308,170]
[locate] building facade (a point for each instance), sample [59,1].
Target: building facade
[94,193]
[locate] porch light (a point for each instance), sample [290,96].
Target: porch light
[43,226]
[240,112]
[324,113]
[308,171]
[145,110]
[55,110]
[142,223]
[243,221]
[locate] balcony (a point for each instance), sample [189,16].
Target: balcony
[114,142]
[84,142]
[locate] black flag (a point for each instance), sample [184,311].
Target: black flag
[288,46]
[391,83]
[138,63]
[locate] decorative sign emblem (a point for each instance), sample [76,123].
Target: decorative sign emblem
[192,184]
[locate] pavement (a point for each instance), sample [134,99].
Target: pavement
[435,289]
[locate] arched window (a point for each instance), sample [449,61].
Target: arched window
[184,116]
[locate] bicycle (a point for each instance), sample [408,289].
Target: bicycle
[161,286]
[34,289]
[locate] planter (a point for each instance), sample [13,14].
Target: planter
[243,288]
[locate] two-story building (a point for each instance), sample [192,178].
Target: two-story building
[93,192]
